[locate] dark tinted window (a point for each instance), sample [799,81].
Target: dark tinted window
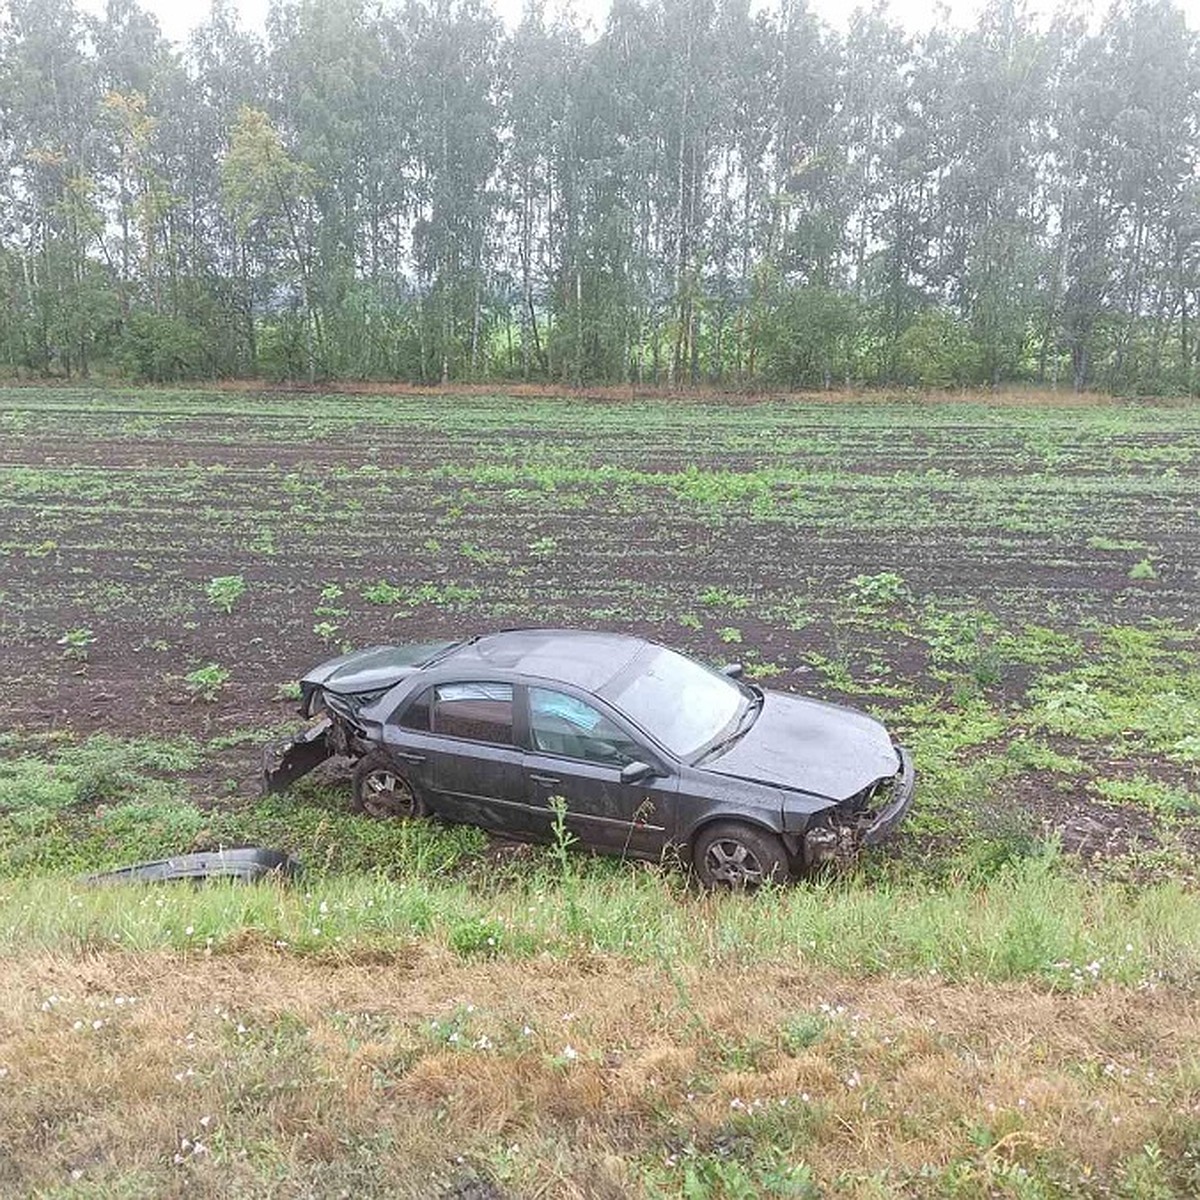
[482,712]
[416,716]
[561,724]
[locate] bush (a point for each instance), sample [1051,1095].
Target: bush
[808,338]
[161,349]
[938,351]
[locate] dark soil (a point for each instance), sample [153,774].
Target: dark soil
[114,516]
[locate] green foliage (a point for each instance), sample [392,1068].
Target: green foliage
[327,631]
[414,595]
[858,254]
[206,683]
[1004,835]
[76,643]
[162,349]
[1150,794]
[1143,569]
[724,598]
[383,593]
[224,591]
[938,351]
[477,939]
[563,841]
[29,785]
[710,1175]
[802,1031]
[879,591]
[808,339]
[1135,693]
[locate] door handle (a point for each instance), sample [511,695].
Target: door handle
[409,758]
[548,780]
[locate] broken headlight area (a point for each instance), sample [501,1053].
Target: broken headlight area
[864,819]
[319,700]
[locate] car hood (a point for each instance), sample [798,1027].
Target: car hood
[374,669]
[810,746]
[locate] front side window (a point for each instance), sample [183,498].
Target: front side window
[480,712]
[561,724]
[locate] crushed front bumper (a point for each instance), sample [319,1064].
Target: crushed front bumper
[894,811]
[842,841]
[247,864]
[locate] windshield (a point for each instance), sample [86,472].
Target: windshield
[680,702]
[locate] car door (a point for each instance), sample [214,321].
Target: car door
[459,742]
[577,752]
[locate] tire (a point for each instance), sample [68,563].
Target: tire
[381,791]
[741,857]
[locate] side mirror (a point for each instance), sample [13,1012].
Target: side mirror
[635,772]
[733,670]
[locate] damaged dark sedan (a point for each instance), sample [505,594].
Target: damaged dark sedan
[646,750]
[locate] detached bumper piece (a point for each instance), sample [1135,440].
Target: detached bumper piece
[287,760]
[247,865]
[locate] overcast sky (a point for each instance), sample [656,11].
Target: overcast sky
[176,17]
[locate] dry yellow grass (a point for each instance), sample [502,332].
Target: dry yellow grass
[1003,396]
[1007,396]
[263,1074]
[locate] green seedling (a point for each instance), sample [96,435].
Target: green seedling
[383,593]
[879,591]
[76,642]
[205,683]
[224,591]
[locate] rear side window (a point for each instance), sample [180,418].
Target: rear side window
[480,712]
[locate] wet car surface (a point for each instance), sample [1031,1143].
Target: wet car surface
[641,749]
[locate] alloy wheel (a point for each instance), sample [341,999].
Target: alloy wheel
[733,862]
[385,794]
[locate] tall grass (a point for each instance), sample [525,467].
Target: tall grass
[1030,922]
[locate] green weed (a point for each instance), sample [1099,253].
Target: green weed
[224,591]
[76,643]
[206,683]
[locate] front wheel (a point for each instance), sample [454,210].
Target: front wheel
[381,791]
[739,856]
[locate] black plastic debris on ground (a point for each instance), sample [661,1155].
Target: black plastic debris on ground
[247,864]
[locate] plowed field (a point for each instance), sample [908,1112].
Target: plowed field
[1017,589]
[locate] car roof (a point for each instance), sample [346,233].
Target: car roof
[583,658]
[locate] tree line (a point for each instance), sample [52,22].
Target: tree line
[694,193]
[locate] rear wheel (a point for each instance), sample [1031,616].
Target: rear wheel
[733,855]
[380,790]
